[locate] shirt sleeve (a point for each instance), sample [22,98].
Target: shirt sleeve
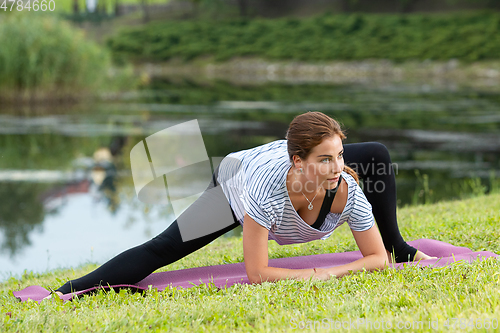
[361,217]
[260,213]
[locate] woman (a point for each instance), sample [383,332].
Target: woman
[277,194]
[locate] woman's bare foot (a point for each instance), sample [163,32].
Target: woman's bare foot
[422,256]
[55,292]
[418,256]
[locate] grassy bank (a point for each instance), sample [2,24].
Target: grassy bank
[463,36]
[409,297]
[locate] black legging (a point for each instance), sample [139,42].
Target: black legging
[372,163]
[370,160]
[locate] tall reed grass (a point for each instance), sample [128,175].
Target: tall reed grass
[44,57]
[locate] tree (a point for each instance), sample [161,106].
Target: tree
[145,9]
[243,5]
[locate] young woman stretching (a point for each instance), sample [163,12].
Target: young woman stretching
[293,191]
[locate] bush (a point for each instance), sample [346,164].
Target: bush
[43,56]
[398,37]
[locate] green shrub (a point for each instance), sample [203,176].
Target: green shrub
[43,56]
[465,36]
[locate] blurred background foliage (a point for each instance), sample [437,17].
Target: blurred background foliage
[278,8]
[464,36]
[72,53]
[45,57]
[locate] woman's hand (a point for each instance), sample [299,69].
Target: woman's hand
[374,256]
[324,274]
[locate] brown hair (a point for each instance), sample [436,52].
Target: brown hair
[308,130]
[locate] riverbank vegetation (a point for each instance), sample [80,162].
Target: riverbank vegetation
[45,58]
[413,295]
[464,36]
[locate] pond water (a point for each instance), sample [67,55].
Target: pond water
[67,194]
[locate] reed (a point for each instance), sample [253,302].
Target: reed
[45,58]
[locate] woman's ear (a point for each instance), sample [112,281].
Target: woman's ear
[297,162]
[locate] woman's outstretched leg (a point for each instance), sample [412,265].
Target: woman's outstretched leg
[135,264]
[373,164]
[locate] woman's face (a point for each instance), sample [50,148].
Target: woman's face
[324,164]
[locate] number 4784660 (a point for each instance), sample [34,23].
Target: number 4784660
[35,5]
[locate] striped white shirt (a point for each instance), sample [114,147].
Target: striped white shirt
[254,182]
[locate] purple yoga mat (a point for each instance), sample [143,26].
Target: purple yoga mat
[227,275]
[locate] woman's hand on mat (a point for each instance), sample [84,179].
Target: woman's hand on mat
[324,274]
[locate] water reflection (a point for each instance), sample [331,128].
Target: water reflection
[66,190]
[28,196]
[21,212]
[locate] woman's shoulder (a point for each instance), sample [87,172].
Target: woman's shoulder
[355,193]
[267,147]
[267,179]
[353,188]
[348,179]
[260,169]
[262,160]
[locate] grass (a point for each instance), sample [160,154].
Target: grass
[421,299]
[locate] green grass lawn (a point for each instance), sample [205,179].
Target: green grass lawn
[420,299]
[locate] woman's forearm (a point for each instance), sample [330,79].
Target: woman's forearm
[370,263]
[271,274]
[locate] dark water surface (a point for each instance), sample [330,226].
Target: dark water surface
[62,205]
